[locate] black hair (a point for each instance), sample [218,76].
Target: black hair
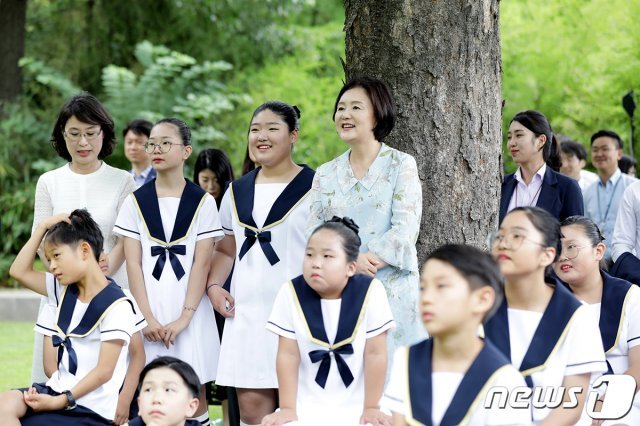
[384,106]
[590,229]
[537,123]
[87,109]
[217,161]
[607,134]
[289,114]
[549,228]
[347,229]
[183,369]
[183,129]
[574,148]
[138,127]
[81,228]
[247,164]
[625,163]
[478,268]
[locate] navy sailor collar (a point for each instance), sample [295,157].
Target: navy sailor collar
[615,293]
[242,199]
[146,201]
[550,333]
[419,370]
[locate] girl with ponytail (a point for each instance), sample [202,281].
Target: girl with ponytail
[534,148]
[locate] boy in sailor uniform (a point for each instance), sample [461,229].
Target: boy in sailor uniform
[445,379]
[614,302]
[45,325]
[332,324]
[170,225]
[540,326]
[94,321]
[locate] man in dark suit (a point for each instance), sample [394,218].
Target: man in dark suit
[135,135]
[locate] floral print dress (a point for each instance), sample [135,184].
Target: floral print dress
[387,205]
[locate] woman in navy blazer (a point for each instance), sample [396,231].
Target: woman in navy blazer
[534,149]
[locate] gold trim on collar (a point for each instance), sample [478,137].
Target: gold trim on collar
[623,317]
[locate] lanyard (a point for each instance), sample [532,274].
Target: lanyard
[530,200]
[603,219]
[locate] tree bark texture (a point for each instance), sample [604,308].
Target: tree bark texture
[442,61]
[12,32]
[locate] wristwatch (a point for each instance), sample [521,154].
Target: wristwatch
[71,401]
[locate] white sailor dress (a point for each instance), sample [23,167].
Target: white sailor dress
[425,397]
[548,346]
[167,263]
[331,335]
[268,223]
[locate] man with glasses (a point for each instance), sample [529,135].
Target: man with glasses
[135,135]
[602,198]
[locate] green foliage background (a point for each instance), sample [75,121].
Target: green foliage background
[211,62]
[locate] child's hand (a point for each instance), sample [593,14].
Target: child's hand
[43,402]
[285,415]
[367,265]
[222,301]
[122,411]
[172,330]
[375,417]
[154,331]
[48,222]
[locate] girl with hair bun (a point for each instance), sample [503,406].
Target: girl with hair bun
[534,148]
[332,325]
[540,326]
[263,215]
[615,302]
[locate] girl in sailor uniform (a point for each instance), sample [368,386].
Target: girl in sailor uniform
[94,321]
[540,326]
[332,326]
[45,325]
[263,215]
[614,302]
[170,225]
[446,379]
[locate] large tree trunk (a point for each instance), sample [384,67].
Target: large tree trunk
[442,60]
[12,21]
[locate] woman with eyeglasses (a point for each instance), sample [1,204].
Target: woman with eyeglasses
[84,136]
[534,148]
[615,302]
[170,226]
[545,331]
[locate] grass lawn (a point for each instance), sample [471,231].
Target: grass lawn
[16,351]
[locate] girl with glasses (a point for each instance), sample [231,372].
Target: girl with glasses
[83,136]
[615,302]
[540,326]
[170,225]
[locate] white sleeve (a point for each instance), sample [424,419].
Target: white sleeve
[226,215]
[119,323]
[209,221]
[45,324]
[42,207]
[625,230]
[140,321]
[631,317]
[127,221]
[510,378]
[396,390]
[280,321]
[378,315]
[586,353]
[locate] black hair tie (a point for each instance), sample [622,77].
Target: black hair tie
[346,221]
[295,108]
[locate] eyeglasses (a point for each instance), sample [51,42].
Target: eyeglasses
[512,240]
[76,136]
[571,251]
[165,146]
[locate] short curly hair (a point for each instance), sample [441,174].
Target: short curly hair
[88,109]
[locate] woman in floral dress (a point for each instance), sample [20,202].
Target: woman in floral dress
[379,188]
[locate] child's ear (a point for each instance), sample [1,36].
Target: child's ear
[192,407]
[483,298]
[85,250]
[352,267]
[187,152]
